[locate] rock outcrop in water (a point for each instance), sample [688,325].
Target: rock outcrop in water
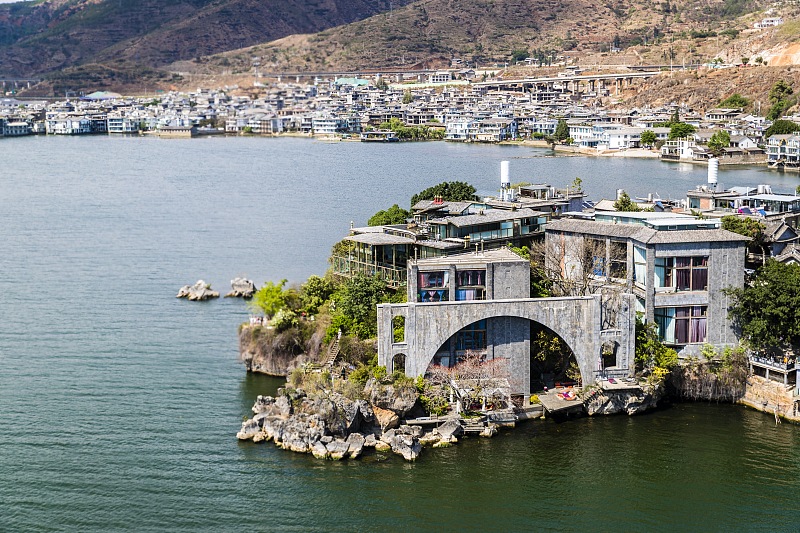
[332,426]
[200,291]
[241,288]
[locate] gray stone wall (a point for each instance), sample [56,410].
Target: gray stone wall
[576,320]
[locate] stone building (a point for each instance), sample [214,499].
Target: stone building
[676,267]
[480,301]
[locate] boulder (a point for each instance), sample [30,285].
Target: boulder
[370,441]
[387,436]
[407,446]
[381,446]
[400,399]
[450,430]
[355,443]
[429,439]
[337,449]
[385,418]
[319,450]
[250,428]
[198,292]
[241,288]
[280,406]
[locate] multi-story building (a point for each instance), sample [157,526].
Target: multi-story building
[676,266]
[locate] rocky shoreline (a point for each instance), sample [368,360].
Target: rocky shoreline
[332,426]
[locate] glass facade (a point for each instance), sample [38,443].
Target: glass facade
[470,285]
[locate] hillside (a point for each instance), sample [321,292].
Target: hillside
[41,37]
[431,32]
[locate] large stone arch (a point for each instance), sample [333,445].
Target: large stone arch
[576,320]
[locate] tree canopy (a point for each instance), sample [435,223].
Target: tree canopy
[562,130]
[767,311]
[355,310]
[734,101]
[624,203]
[648,138]
[393,215]
[781,127]
[781,98]
[269,299]
[679,130]
[719,140]
[450,191]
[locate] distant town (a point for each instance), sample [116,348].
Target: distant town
[452,105]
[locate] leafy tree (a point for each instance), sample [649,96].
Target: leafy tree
[269,299]
[679,130]
[648,138]
[393,215]
[781,127]
[767,311]
[780,91]
[719,140]
[519,55]
[315,292]
[651,353]
[381,84]
[735,101]
[562,130]
[408,97]
[676,117]
[749,227]
[624,203]
[780,96]
[450,191]
[356,305]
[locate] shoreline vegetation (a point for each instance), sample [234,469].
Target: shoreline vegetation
[338,401]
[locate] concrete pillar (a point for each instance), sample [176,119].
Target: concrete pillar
[452,288]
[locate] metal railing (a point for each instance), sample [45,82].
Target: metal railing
[394,276]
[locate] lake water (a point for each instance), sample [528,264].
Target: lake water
[119,403]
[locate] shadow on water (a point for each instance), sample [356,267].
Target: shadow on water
[253,385]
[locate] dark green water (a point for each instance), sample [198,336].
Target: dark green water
[119,404]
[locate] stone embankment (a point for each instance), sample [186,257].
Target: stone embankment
[771,397]
[630,401]
[335,427]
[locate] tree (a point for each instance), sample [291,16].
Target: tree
[719,140]
[679,130]
[651,353]
[780,91]
[315,292]
[269,299]
[562,130]
[408,97]
[781,127]
[780,97]
[381,84]
[624,203]
[749,227]
[519,55]
[449,191]
[356,305]
[648,138]
[393,215]
[735,101]
[676,117]
[767,311]
[575,266]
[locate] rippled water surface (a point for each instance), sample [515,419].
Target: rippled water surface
[119,403]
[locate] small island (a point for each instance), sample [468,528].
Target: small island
[464,315]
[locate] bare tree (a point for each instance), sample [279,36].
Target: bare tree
[578,265]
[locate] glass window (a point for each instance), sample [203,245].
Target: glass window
[470,285]
[682,325]
[640,266]
[682,273]
[434,286]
